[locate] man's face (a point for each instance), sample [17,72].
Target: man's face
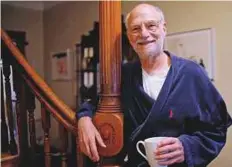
[146,32]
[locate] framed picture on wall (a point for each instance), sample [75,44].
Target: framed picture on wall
[197,45]
[62,65]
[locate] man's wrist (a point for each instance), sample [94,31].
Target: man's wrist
[84,114]
[85,118]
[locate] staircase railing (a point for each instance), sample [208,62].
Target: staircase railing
[30,85]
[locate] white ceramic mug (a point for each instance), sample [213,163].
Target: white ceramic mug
[150,146]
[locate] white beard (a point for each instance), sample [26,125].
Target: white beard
[154,49]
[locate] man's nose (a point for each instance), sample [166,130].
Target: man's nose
[144,32]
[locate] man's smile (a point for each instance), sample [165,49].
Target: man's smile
[145,42]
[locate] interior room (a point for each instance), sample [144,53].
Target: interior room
[55,31]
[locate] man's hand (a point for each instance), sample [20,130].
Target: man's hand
[169,151]
[89,137]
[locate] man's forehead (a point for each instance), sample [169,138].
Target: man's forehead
[143,16]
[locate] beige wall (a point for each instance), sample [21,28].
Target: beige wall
[31,22]
[186,16]
[63,26]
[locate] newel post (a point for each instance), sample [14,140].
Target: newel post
[109,118]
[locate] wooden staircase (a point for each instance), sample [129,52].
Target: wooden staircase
[17,116]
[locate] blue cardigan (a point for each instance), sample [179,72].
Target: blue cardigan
[188,107]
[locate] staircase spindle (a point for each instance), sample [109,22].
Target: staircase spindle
[7,72]
[46,124]
[64,145]
[21,114]
[31,119]
[4,130]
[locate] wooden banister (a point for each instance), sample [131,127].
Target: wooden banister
[51,108]
[61,107]
[50,104]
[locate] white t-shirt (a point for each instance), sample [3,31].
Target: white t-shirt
[152,83]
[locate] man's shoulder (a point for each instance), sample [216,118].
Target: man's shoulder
[181,61]
[187,66]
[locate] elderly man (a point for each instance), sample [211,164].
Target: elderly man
[163,95]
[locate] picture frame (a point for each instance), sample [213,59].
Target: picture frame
[196,45]
[62,65]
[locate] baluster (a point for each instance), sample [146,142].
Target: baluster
[19,88]
[21,114]
[31,119]
[7,72]
[46,127]
[4,130]
[64,145]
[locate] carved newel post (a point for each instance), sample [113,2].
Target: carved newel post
[109,119]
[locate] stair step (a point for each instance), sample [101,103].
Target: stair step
[8,160]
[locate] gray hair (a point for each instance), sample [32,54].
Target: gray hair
[157,9]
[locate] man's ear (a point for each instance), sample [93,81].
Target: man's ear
[165,27]
[128,36]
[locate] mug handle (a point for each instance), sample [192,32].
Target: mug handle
[140,152]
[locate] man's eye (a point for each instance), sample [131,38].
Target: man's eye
[152,26]
[135,29]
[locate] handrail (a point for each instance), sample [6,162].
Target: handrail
[50,108]
[63,109]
